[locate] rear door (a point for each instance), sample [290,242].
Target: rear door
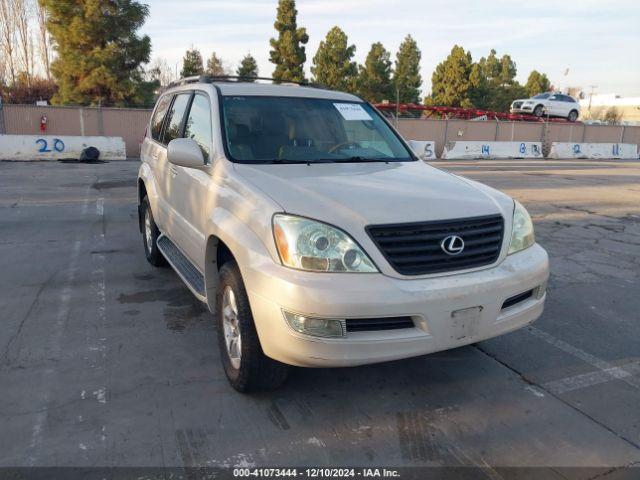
[152,152]
[190,186]
[555,106]
[172,128]
[569,104]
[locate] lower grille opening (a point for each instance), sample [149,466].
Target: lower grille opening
[376,324]
[521,297]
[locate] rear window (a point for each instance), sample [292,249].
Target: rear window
[175,116]
[158,117]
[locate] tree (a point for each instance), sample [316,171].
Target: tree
[287,51]
[407,79]
[537,83]
[214,66]
[248,67]
[374,81]
[450,82]
[8,29]
[25,90]
[43,37]
[192,63]
[333,66]
[23,12]
[493,84]
[99,52]
[160,71]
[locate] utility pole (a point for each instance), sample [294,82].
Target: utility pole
[592,87]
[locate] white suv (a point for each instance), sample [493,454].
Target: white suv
[552,104]
[316,236]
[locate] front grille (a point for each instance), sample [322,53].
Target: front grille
[521,297]
[415,248]
[375,324]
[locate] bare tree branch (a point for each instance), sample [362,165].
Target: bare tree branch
[8,34]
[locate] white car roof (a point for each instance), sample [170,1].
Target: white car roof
[266,90]
[280,90]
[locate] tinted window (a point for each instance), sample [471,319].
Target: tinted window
[173,126]
[567,98]
[198,125]
[272,129]
[542,96]
[158,117]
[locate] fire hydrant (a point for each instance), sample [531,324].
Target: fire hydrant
[43,124]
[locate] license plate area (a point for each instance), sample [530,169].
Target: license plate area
[465,323]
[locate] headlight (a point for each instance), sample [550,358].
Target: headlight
[307,244]
[522,232]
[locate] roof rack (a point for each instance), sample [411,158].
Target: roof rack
[232,78]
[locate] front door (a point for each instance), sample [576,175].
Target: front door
[189,191]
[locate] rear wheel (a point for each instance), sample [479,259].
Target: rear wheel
[538,111]
[573,116]
[245,364]
[150,234]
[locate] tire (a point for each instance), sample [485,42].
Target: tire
[245,364]
[150,234]
[573,116]
[538,111]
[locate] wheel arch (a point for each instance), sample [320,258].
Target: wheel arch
[217,252]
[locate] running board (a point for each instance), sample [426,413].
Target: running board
[186,270]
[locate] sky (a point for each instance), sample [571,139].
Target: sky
[598,41]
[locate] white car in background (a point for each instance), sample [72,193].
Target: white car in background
[551,104]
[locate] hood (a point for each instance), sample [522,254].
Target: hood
[354,195]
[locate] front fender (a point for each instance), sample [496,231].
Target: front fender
[247,247]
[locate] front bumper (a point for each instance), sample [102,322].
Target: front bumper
[526,109]
[430,302]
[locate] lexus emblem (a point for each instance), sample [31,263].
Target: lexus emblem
[452,245]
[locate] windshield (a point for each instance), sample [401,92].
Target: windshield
[307,130]
[542,96]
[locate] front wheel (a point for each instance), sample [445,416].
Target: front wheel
[538,111]
[150,234]
[245,364]
[573,116]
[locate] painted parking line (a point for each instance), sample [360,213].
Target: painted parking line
[605,370]
[590,379]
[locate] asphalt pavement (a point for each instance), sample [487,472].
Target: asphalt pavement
[107,361]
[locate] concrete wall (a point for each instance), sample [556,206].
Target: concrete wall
[130,124]
[127,123]
[442,131]
[49,147]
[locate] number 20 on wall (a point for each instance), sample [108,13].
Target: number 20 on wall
[58,145]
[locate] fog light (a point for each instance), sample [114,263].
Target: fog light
[318,327]
[541,290]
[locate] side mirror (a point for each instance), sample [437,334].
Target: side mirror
[185,152]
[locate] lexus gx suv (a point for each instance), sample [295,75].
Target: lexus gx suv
[317,238]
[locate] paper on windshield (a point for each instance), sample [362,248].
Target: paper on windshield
[352,111]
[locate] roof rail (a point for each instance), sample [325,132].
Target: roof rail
[232,78]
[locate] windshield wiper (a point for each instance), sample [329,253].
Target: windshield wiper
[358,159]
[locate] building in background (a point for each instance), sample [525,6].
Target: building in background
[610,108]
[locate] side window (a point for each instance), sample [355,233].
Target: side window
[158,117]
[173,128]
[198,125]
